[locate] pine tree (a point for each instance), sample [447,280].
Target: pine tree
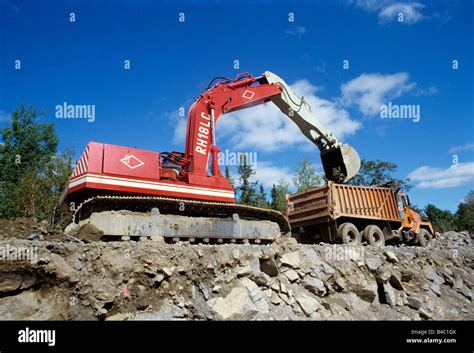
[246,187]
[261,198]
[278,195]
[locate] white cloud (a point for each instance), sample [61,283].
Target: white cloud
[370,91]
[266,128]
[439,178]
[388,10]
[410,11]
[468,146]
[180,124]
[298,32]
[268,174]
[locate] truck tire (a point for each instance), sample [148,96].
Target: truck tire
[425,238]
[374,235]
[349,234]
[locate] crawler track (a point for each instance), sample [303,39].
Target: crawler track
[190,208]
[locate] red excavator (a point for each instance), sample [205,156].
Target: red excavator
[128,192]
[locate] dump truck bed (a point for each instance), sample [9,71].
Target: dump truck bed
[332,201]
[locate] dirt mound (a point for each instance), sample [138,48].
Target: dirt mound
[22,228]
[151,280]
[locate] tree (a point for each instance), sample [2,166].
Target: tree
[55,180]
[31,175]
[378,172]
[246,187]
[443,220]
[261,198]
[306,177]
[278,195]
[465,214]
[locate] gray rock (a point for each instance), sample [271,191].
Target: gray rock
[339,284]
[433,276]
[35,236]
[435,289]
[382,276]
[33,305]
[414,301]
[315,286]
[243,271]
[10,281]
[366,291]
[292,275]
[236,304]
[391,257]
[307,303]
[61,268]
[167,311]
[373,263]
[355,303]
[291,259]
[256,295]
[168,271]
[262,279]
[466,292]
[390,296]
[324,272]
[71,239]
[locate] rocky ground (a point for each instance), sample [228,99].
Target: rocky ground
[55,277]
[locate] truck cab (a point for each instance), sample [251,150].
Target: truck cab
[413,226]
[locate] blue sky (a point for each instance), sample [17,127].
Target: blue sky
[405,63]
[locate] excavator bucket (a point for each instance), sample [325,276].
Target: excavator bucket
[340,163]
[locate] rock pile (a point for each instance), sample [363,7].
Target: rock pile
[151,280]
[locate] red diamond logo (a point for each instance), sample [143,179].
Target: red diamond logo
[248,94]
[131,161]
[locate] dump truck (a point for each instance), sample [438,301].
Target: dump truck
[351,214]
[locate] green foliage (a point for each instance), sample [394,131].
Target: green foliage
[246,188]
[461,220]
[465,213]
[378,172]
[32,176]
[442,220]
[278,195]
[261,198]
[306,177]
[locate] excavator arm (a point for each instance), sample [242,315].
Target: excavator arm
[340,161]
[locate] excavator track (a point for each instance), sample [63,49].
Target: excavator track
[190,209]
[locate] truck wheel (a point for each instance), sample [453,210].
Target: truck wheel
[374,235]
[349,234]
[425,239]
